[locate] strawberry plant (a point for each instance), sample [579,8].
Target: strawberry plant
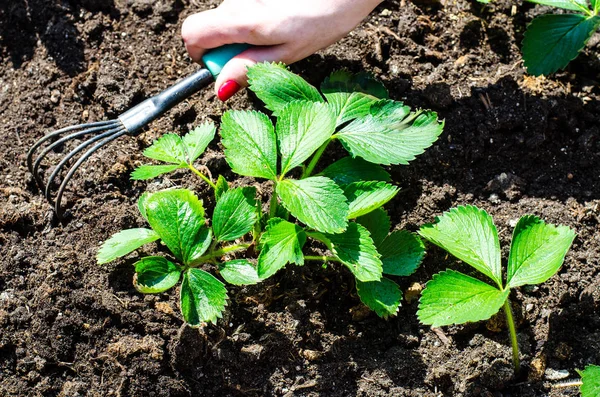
[339,207]
[537,252]
[552,41]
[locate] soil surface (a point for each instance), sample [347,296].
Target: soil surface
[513,144]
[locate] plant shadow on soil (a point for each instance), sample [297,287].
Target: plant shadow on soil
[24,22]
[277,330]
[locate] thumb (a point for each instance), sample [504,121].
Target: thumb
[233,75]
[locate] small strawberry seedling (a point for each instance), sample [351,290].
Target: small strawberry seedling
[537,252]
[552,41]
[339,207]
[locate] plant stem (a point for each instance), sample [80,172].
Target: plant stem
[513,335]
[219,253]
[212,247]
[256,229]
[322,258]
[201,175]
[313,162]
[273,202]
[230,248]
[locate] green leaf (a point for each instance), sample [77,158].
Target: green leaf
[221,187]
[537,251]
[282,213]
[383,297]
[124,242]
[281,244]
[382,141]
[276,86]
[250,143]
[356,250]
[574,5]
[239,272]
[316,201]
[302,127]
[390,110]
[155,274]
[235,213]
[144,172]
[552,41]
[590,377]
[469,234]
[197,140]
[178,217]
[362,82]
[364,197]
[142,204]
[352,95]
[168,148]
[455,298]
[401,253]
[377,223]
[203,297]
[348,170]
[348,106]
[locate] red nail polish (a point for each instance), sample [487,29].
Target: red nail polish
[227,90]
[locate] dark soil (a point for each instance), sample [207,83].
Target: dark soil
[513,144]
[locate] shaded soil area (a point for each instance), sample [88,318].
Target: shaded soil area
[513,144]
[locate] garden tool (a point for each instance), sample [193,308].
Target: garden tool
[130,123]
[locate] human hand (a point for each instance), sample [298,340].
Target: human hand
[282,31]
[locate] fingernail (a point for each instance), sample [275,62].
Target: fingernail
[228,89]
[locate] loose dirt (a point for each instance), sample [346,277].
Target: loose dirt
[513,144]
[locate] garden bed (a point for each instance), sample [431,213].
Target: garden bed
[513,145]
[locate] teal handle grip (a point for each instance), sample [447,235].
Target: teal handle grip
[217,58]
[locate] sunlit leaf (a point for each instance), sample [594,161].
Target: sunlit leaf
[455,298]
[537,252]
[203,297]
[383,297]
[316,201]
[155,274]
[469,234]
[124,242]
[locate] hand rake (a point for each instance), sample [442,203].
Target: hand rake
[131,122]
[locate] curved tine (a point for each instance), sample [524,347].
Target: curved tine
[63,185]
[43,139]
[40,158]
[72,153]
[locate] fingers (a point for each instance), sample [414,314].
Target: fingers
[211,29]
[233,76]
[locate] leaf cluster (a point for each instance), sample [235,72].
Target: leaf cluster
[340,207]
[551,41]
[468,233]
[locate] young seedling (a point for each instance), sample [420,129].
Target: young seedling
[537,252]
[339,207]
[552,41]
[178,153]
[177,218]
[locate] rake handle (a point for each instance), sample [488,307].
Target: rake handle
[136,118]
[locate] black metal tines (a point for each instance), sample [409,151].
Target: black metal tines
[101,133]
